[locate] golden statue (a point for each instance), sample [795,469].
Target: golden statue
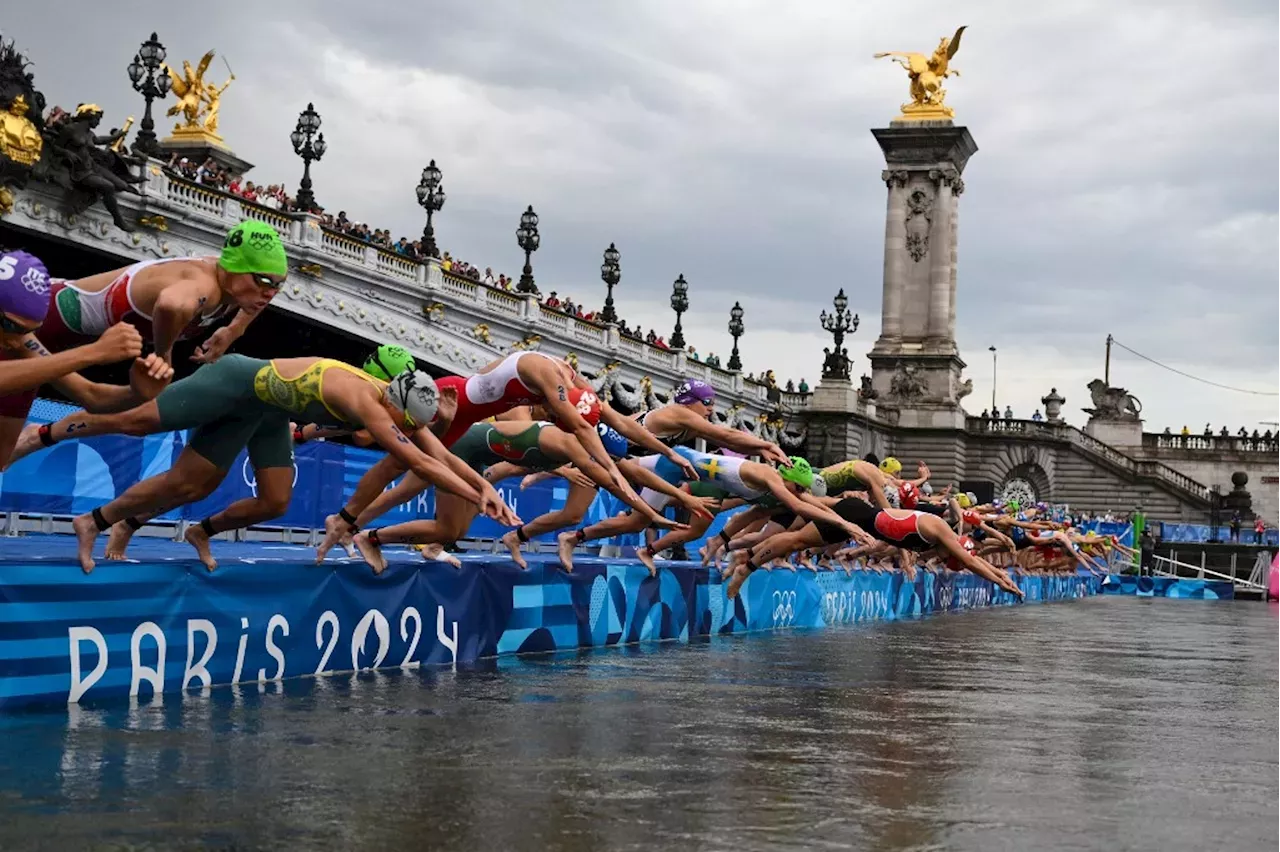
[198,101]
[20,141]
[927,74]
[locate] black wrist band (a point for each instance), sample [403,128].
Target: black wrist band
[349,518]
[520,534]
[725,536]
[45,433]
[133,523]
[373,538]
[207,526]
[99,519]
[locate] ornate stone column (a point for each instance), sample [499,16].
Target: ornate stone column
[915,363]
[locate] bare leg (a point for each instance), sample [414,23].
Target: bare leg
[374,481]
[275,489]
[575,506]
[453,516]
[697,527]
[185,482]
[143,420]
[628,522]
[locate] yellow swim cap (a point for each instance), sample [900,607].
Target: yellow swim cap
[891,466]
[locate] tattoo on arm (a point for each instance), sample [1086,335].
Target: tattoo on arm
[564,397]
[36,346]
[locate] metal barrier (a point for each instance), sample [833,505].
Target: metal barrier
[1165,566]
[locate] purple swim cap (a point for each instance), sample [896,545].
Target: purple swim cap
[695,391]
[24,286]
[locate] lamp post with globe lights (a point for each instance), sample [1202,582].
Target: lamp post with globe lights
[310,147]
[528,238]
[610,274]
[836,364]
[431,196]
[736,329]
[142,73]
[679,304]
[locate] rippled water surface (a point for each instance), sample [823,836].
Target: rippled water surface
[1111,723]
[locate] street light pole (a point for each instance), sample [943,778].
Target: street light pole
[679,304]
[309,150]
[837,365]
[528,238]
[737,329]
[431,197]
[993,381]
[142,73]
[610,274]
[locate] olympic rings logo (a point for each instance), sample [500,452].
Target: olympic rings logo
[252,481]
[784,609]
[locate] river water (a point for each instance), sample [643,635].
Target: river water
[1109,723]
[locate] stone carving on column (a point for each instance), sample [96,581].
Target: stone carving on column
[964,389]
[894,177]
[919,219]
[866,392]
[1110,403]
[906,385]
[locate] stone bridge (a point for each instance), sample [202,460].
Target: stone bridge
[452,323]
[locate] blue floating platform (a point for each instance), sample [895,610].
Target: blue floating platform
[160,622]
[1169,587]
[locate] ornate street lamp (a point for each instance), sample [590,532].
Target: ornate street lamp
[736,328]
[610,274]
[837,365]
[142,73]
[309,150]
[431,196]
[527,238]
[679,304]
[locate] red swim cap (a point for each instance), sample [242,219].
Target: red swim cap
[908,496]
[587,403]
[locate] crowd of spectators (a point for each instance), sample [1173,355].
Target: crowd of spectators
[1224,432]
[214,176]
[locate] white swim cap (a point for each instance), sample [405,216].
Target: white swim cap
[415,394]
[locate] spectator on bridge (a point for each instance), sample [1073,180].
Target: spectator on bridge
[1037,417]
[1259,530]
[693,354]
[791,386]
[1234,526]
[660,343]
[553,301]
[1208,431]
[1243,433]
[651,337]
[804,386]
[1168,431]
[713,360]
[1255,434]
[985,415]
[1008,412]
[488,277]
[568,306]
[1224,433]
[1185,431]
[1266,436]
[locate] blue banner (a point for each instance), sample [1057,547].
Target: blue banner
[1168,587]
[1199,533]
[164,626]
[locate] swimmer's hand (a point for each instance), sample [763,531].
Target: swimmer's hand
[215,347]
[700,506]
[117,343]
[774,453]
[493,506]
[690,472]
[149,376]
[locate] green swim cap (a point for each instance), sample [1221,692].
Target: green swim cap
[800,473]
[254,246]
[387,362]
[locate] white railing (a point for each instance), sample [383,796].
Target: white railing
[462,287]
[588,332]
[397,266]
[331,242]
[502,302]
[274,218]
[1166,567]
[196,197]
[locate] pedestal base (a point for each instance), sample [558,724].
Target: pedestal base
[1117,433]
[198,148]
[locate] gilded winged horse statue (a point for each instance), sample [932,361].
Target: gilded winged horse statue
[927,74]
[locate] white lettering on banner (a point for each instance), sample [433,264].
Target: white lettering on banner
[244,640]
[277,621]
[76,635]
[410,612]
[451,644]
[203,625]
[330,618]
[424,507]
[382,628]
[153,676]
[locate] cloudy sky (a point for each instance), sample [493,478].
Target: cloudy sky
[1126,179]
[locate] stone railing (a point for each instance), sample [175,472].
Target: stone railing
[1090,445]
[1210,443]
[456,322]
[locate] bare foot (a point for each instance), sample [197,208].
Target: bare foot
[197,538]
[512,541]
[371,553]
[28,443]
[740,575]
[86,530]
[436,553]
[565,543]
[646,559]
[118,540]
[335,529]
[346,545]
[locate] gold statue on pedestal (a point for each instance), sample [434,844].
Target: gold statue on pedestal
[927,74]
[198,101]
[20,140]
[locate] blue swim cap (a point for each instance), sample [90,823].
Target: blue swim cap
[614,444]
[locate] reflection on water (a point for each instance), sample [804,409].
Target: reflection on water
[1111,723]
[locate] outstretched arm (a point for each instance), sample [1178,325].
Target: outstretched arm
[637,434]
